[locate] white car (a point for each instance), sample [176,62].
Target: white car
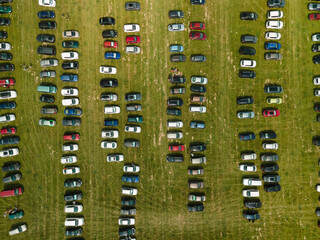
[8,94]
[18,229]
[274,24]
[70,170]
[10,152]
[250,193]
[176,27]
[5,46]
[315,37]
[70,101]
[318,187]
[248,63]
[273,36]
[174,124]
[247,167]
[126,221]
[316,80]
[248,156]
[7,117]
[129,191]
[198,109]
[109,133]
[274,14]
[69,91]
[108,70]
[174,135]
[74,222]
[107,144]
[131,168]
[70,34]
[51,62]
[70,55]
[69,159]
[78,208]
[251,182]
[132,128]
[112,109]
[317,92]
[199,80]
[70,147]
[132,49]
[267,146]
[47,3]
[115,158]
[131,28]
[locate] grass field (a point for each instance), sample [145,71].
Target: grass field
[163,191]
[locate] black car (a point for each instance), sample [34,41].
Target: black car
[315,47]
[247,51]
[195,207]
[11,167]
[247,74]
[247,136]
[248,39]
[177,79]
[6,67]
[273,89]
[8,105]
[272,188]
[178,58]
[176,14]
[316,59]
[73,196]
[276,3]
[47,38]
[198,58]
[252,203]
[251,215]
[47,98]
[70,65]
[47,24]
[198,88]
[5,22]
[9,140]
[197,2]
[46,14]
[244,100]
[107,21]
[5,56]
[270,168]
[46,50]
[125,232]
[175,158]
[197,147]
[132,143]
[73,231]
[268,135]
[248,16]
[3,34]
[109,82]
[174,112]
[316,140]
[132,6]
[126,201]
[109,33]
[175,102]
[5,1]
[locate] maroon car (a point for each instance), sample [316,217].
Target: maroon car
[197,26]
[197,36]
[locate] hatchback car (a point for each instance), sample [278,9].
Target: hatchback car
[274,14]
[175,158]
[112,55]
[197,26]
[108,70]
[107,21]
[109,33]
[268,135]
[271,113]
[109,82]
[248,156]
[131,28]
[129,97]
[272,56]
[245,100]
[273,89]
[254,203]
[70,44]
[70,34]
[272,35]
[198,88]
[271,178]
[132,6]
[175,14]
[247,136]
[247,51]
[246,74]
[5,22]
[270,157]
[272,188]
[250,193]
[47,24]
[197,2]
[248,39]
[108,144]
[70,55]
[11,167]
[74,222]
[272,46]
[70,147]
[274,24]
[197,147]
[70,65]
[73,112]
[197,36]
[247,167]
[176,148]
[251,215]
[72,183]
[73,197]
[46,38]
[252,16]
[248,63]
[195,207]
[131,143]
[18,229]
[110,44]
[177,79]
[270,168]
[196,184]
[198,58]
[132,39]
[132,49]
[178,58]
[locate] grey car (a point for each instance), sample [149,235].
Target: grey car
[178,58]
[132,143]
[276,3]
[51,62]
[272,56]
[129,97]
[245,114]
[72,183]
[48,74]
[133,107]
[73,196]
[271,157]
[176,14]
[249,39]
[49,110]
[71,122]
[11,167]
[198,58]
[12,178]
[273,89]
[272,178]
[128,211]
[132,6]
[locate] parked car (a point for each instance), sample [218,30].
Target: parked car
[174,124]
[272,35]
[50,62]
[176,48]
[175,158]
[132,39]
[178,58]
[177,80]
[48,74]
[109,133]
[174,112]
[270,168]
[70,55]
[250,193]
[108,144]
[133,97]
[46,38]
[196,184]
[130,179]
[197,35]
[270,157]
[248,63]
[247,74]
[315,37]
[197,26]
[129,191]
[272,188]
[49,110]
[16,214]
[252,16]
[272,178]
[197,197]
[115,158]
[199,79]
[128,211]
[276,3]
[249,156]
[244,100]
[197,2]
[70,65]
[245,114]
[274,14]
[314,6]
[73,112]
[198,58]
[272,56]
[8,130]
[47,122]
[112,55]
[200,147]
[132,6]
[70,147]
[7,82]
[47,3]
[196,207]
[273,89]
[197,98]
[5,22]
[251,182]
[197,109]
[126,221]
[125,201]
[176,148]
[3,34]
[109,82]
[268,135]
[198,88]
[18,229]
[274,24]
[270,145]
[47,24]
[131,143]
[108,69]
[247,136]
[111,109]
[174,135]
[110,44]
[133,107]
[177,90]
[248,39]
[198,160]
[107,21]
[70,34]
[131,28]
[70,101]
[12,178]
[72,183]
[125,232]
[15,166]
[251,215]
[271,113]
[132,49]
[70,170]
[272,46]
[71,137]
[73,232]
[4,67]
[247,51]
[197,124]
[247,167]
[73,197]
[7,118]
[252,203]
[109,33]
[74,222]
[176,27]
[68,159]
[175,102]
[316,59]
[131,168]
[195,171]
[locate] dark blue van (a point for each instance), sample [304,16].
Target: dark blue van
[69,78]
[111,122]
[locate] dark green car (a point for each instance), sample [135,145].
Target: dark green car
[5,9]
[174,112]
[5,56]
[135,119]
[16,215]
[70,44]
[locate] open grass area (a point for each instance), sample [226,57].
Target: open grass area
[163,192]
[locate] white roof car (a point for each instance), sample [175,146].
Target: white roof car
[131,28]
[250,193]
[74,222]
[247,167]
[8,94]
[274,14]
[248,63]
[267,146]
[132,128]
[18,229]
[199,109]
[69,91]
[274,24]
[71,34]
[132,168]
[47,3]
[70,147]
[176,27]
[132,49]
[111,109]
[317,92]
[126,221]
[78,208]
[198,160]
[316,80]
[51,62]
[318,187]
[109,133]
[248,156]
[5,46]
[273,35]
[70,101]
[70,55]
[10,152]
[108,69]
[174,135]
[129,191]
[199,79]
[70,170]
[108,144]
[7,118]
[315,37]
[251,182]
[115,158]
[69,159]
[174,124]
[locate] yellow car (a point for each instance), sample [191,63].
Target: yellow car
[274,100]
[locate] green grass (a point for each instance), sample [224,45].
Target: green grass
[163,192]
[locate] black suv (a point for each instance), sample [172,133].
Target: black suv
[248,39]
[47,98]
[48,38]
[3,34]
[107,21]
[247,74]
[252,203]
[174,112]
[272,188]
[244,100]
[198,88]
[48,50]
[6,67]
[70,65]
[109,34]
[248,16]
[109,82]
[316,59]
[176,14]
[5,56]
[175,102]
[270,168]
[268,135]
[177,80]
[197,147]
[47,24]
[247,51]
[174,158]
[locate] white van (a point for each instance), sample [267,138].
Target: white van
[250,193]
[251,182]
[174,124]
[199,109]
[174,135]
[198,160]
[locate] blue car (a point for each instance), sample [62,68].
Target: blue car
[111,122]
[197,2]
[131,179]
[247,136]
[272,46]
[8,105]
[200,125]
[112,55]
[69,78]
[46,14]
[176,48]
[73,111]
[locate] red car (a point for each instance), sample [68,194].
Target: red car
[72,137]
[12,192]
[132,39]
[7,82]
[197,36]
[110,44]
[176,148]
[7,131]
[271,113]
[314,16]
[197,26]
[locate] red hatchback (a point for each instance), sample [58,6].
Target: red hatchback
[314,16]
[176,148]
[8,130]
[7,82]
[132,39]
[72,137]
[197,26]
[197,36]
[271,113]
[13,192]
[110,44]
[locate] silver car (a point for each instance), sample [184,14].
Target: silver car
[176,27]
[51,62]
[12,178]
[245,114]
[272,56]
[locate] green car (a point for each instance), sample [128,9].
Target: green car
[5,9]
[70,44]
[17,214]
[135,119]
